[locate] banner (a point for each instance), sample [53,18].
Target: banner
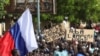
[80,34]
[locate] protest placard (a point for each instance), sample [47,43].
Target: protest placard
[80,34]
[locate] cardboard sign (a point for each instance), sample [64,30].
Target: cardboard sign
[80,34]
[54,33]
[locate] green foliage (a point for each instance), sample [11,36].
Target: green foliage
[50,17]
[35,19]
[45,17]
[58,19]
[6,1]
[77,10]
[3,3]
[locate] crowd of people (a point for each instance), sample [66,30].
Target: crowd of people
[61,47]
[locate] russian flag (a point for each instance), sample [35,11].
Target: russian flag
[21,36]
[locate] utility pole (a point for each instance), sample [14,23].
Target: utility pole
[38,15]
[54,7]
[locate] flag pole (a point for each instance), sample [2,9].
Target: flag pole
[38,15]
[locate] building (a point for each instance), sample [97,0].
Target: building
[18,6]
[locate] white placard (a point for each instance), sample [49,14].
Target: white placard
[22,1]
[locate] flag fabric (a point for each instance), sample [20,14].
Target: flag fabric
[21,36]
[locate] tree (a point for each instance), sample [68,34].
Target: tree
[45,17]
[77,10]
[3,3]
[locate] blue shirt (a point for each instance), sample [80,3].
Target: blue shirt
[79,54]
[61,53]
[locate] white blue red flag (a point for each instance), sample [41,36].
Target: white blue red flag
[21,36]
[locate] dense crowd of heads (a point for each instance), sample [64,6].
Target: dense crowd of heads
[68,48]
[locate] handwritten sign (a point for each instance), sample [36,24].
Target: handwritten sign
[80,34]
[53,33]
